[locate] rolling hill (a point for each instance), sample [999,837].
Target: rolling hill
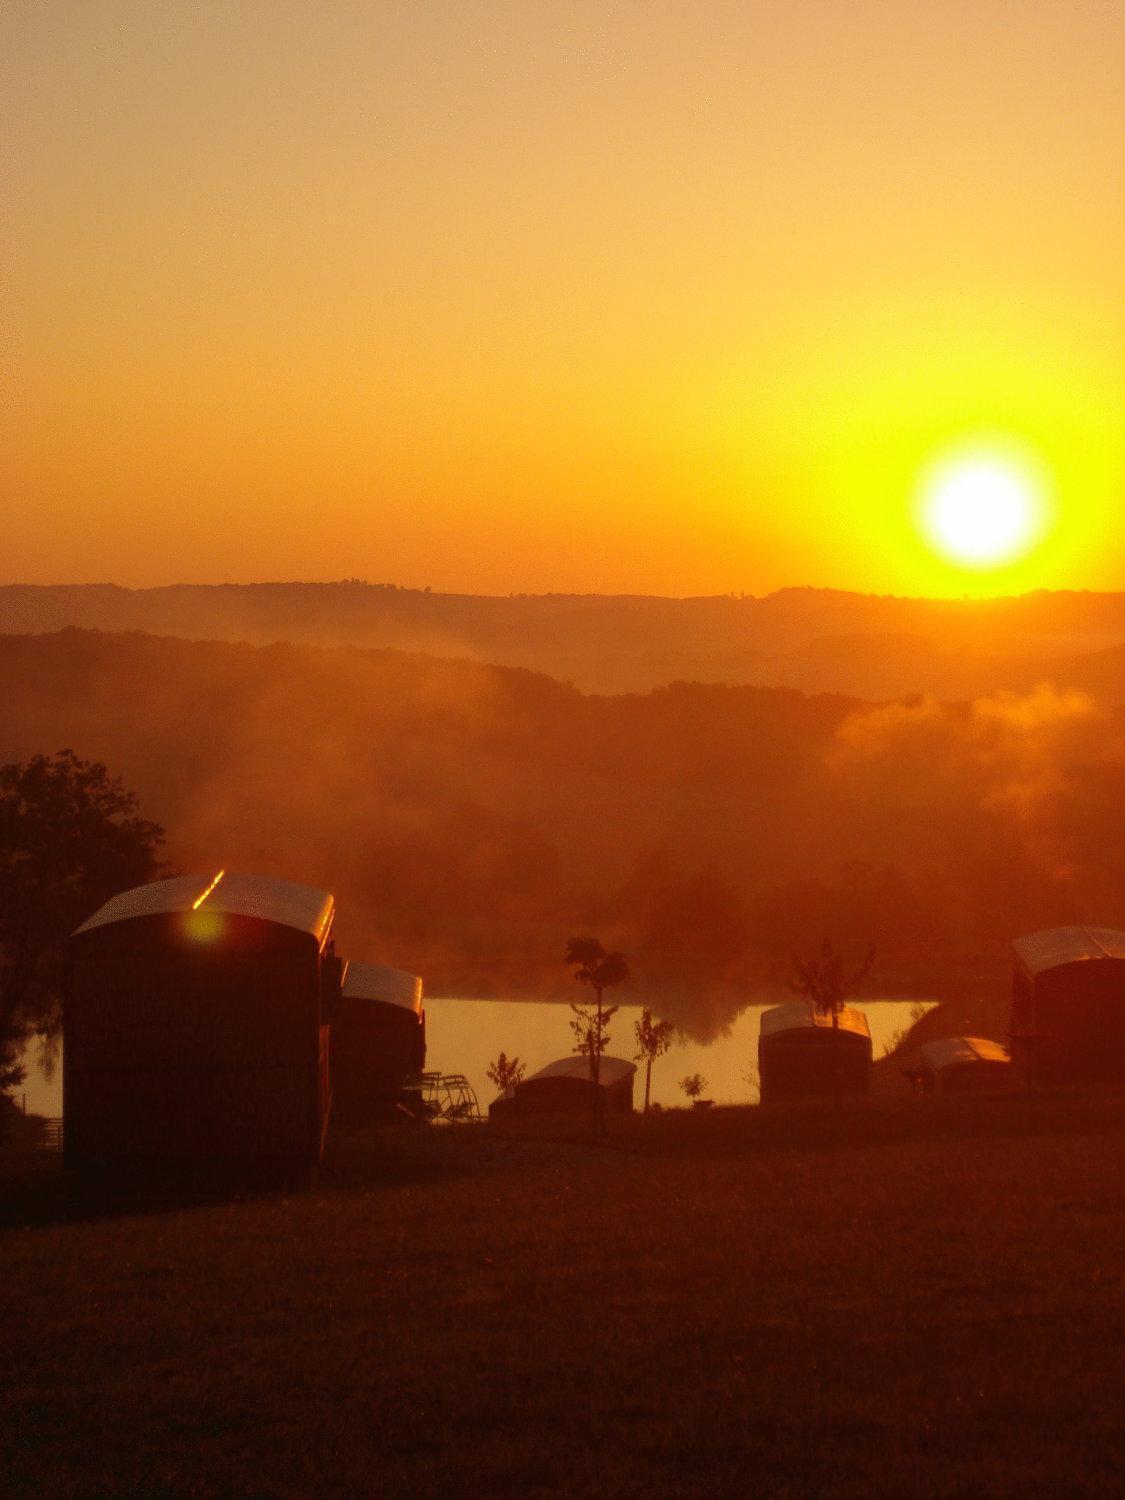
[471,817]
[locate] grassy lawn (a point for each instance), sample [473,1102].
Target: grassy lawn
[918,1298]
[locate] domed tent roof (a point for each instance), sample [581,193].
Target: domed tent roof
[612,1070]
[1056,947]
[957,1051]
[802,1016]
[264,898]
[385,986]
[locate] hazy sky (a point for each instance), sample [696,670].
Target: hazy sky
[627,295]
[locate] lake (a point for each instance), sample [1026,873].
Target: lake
[464,1036]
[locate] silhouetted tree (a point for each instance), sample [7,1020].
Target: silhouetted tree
[506,1072]
[70,837]
[828,983]
[693,1085]
[653,1038]
[599,969]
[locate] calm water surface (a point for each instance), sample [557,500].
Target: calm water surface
[464,1036]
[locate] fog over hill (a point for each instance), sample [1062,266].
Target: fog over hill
[813,639]
[472,817]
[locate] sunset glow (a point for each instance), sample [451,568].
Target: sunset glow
[556,297]
[606,515]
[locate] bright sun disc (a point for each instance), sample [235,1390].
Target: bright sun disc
[982,508]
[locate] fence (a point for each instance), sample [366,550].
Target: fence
[21,1132]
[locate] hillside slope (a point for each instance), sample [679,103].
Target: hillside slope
[470,818]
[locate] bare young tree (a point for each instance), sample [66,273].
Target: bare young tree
[653,1038]
[594,966]
[693,1085]
[591,1031]
[506,1072]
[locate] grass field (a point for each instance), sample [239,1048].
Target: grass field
[916,1298]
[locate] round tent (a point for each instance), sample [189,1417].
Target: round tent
[566,1086]
[195,1027]
[963,1064]
[378,1038]
[802,1055]
[1068,1002]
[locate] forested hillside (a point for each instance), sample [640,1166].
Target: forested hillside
[470,818]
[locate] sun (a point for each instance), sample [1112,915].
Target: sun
[983,506]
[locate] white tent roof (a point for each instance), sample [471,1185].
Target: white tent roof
[389,986]
[612,1070]
[802,1015]
[955,1051]
[264,897]
[1055,947]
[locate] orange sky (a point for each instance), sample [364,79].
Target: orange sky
[621,295]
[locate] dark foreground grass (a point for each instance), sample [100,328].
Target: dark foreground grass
[908,1301]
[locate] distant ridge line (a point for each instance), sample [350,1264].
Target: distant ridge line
[787,591]
[873,647]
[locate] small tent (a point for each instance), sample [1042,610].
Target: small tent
[1068,1003]
[378,1038]
[567,1087]
[962,1065]
[802,1055]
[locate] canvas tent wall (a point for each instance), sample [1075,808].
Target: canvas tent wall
[1068,1003]
[566,1087]
[378,1038]
[963,1064]
[195,1028]
[801,1055]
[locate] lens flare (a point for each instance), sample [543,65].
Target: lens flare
[202,925]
